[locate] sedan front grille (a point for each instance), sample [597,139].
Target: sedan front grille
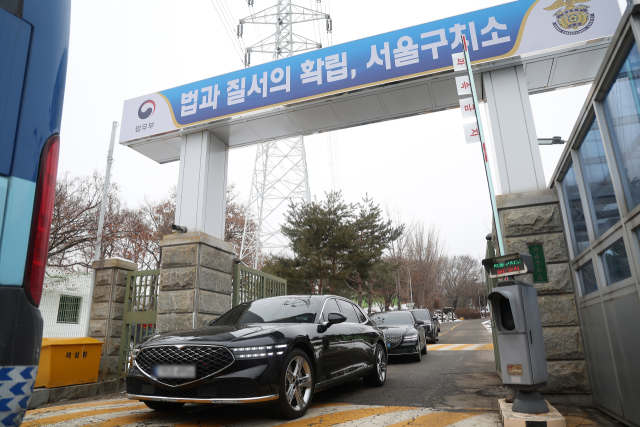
[207,359]
[401,350]
[395,340]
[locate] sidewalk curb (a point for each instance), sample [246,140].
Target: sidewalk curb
[42,396]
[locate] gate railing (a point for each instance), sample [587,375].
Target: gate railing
[250,284]
[140,313]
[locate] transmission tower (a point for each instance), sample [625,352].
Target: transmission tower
[280,171]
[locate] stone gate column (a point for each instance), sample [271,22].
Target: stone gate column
[195,280]
[107,308]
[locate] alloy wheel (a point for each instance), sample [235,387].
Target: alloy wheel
[381,365]
[298,383]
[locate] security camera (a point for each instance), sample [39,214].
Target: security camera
[178,228]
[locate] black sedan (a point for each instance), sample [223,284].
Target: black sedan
[403,333]
[277,350]
[430,325]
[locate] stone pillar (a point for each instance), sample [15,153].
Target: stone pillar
[533,218]
[195,280]
[105,323]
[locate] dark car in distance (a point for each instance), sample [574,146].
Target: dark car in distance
[403,333]
[277,350]
[431,325]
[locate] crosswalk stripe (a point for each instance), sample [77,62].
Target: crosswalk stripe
[461,347]
[79,405]
[128,419]
[438,419]
[68,417]
[458,347]
[344,416]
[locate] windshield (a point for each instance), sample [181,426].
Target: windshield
[386,319]
[422,315]
[273,310]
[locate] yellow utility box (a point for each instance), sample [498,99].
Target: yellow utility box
[68,361]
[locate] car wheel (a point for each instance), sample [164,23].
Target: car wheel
[379,374]
[424,349]
[418,356]
[163,406]
[296,385]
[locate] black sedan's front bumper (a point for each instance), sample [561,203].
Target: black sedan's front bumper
[244,381]
[406,347]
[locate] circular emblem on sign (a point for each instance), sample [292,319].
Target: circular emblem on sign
[146,110]
[572,19]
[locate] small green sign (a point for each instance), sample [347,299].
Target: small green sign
[539,265]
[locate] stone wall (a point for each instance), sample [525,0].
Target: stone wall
[195,280]
[107,309]
[534,218]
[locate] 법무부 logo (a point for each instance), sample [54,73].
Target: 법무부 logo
[147,109]
[572,19]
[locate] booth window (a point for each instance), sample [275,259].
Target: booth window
[597,181]
[575,212]
[588,279]
[622,109]
[69,309]
[616,263]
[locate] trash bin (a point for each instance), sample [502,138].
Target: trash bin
[68,361]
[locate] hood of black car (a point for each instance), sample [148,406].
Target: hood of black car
[395,330]
[221,333]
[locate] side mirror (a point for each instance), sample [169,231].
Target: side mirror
[336,318]
[333,319]
[420,322]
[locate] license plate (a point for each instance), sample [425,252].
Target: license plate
[175,371]
[388,344]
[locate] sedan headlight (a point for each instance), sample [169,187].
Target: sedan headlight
[258,351]
[411,337]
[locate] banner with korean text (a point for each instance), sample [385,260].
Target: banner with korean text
[514,28]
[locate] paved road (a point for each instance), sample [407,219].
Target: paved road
[442,390]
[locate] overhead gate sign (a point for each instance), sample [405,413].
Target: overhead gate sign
[515,28]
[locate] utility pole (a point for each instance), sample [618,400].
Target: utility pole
[105,192]
[280,172]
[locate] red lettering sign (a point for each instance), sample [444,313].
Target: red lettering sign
[465,85]
[460,61]
[475,132]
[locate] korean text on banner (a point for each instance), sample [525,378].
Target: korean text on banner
[471,132]
[463,85]
[467,108]
[458,62]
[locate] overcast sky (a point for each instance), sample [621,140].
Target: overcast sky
[420,166]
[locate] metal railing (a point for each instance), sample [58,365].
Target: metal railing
[250,284]
[140,313]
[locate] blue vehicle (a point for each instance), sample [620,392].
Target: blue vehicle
[34,42]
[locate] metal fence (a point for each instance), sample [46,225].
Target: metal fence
[250,284]
[140,313]
[65,304]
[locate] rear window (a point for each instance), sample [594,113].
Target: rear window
[387,319]
[422,314]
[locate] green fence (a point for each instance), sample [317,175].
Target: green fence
[140,313]
[250,284]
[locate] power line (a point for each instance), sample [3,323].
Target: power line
[233,42]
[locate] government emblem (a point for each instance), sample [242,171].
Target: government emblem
[571,18]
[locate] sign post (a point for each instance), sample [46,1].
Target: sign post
[480,133]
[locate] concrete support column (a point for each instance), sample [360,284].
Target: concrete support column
[202,184]
[512,132]
[195,280]
[107,308]
[534,218]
